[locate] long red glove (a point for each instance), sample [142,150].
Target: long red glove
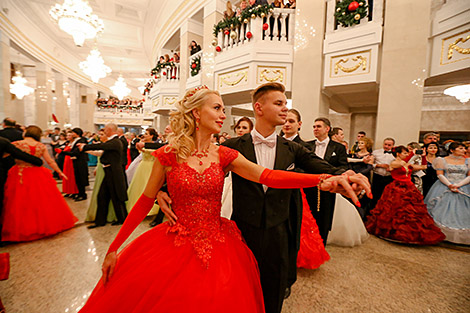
[139,211]
[289,180]
[57,150]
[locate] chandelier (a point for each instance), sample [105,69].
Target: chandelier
[76,19]
[94,66]
[19,88]
[120,88]
[461,93]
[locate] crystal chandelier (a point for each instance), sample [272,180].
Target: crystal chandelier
[19,88]
[461,93]
[75,18]
[94,66]
[120,88]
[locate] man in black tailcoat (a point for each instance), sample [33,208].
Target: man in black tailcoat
[113,188]
[11,133]
[80,163]
[124,143]
[335,154]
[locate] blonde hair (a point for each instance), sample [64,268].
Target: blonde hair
[183,122]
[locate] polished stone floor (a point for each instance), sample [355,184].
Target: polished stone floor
[57,274]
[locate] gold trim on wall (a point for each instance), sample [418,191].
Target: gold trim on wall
[170,100]
[361,57]
[278,74]
[447,52]
[227,78]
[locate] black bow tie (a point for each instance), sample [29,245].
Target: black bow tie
[388,152]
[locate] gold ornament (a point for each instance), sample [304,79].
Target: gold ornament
[239,19]
[338,9]
[214,42]
[357,17]
[344,13]
[262,15]
[233,35]
[231,25]
[245,21]
[361,3]
[253,16]
[271,10]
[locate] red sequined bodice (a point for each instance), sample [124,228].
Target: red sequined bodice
[401,174]
[36,150]
[196,201]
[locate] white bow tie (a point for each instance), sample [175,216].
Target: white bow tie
[270,142]
[317,143]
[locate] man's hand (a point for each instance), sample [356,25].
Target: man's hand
[140,145]
[348,184]
[164,202]
[80,146]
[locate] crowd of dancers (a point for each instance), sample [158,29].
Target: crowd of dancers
[243,213]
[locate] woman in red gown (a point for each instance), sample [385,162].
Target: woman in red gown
[33,206]
[200,263]
[401,214]
[69,187]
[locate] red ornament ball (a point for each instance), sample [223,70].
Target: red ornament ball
[193,65]
[249,35]
[173,77]
[227,32]
[353,6]
[164,73]
[265,26]
[218,49]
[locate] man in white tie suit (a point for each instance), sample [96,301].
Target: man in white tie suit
[335,154]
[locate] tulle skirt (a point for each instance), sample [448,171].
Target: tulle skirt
[33,206]
[312,253]
[347,229]
[138,183]
[401,215]
[154,275]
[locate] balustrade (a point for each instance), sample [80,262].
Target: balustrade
[280,28]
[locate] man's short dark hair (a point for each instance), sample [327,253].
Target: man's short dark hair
[57,128]
[362,132]
[335,131]
[324,120]
[264,89]
[9,122]
[78,131]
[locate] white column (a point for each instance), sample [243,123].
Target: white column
[5,76]
[213,13]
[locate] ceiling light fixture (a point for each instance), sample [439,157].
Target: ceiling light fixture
[19,88]
[76,19]
[94,66]
[120,88]
[461,93]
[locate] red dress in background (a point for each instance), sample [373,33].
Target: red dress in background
[33,205]
[199,265]
[312,252]
[68,185]
[401,214]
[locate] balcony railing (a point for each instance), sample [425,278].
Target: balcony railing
[169,73]
[280,28]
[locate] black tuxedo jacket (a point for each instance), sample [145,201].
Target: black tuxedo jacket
[11,134]
[133,150]
[264,210]
[124,150]
[335,154]
[80,163]
[112,156]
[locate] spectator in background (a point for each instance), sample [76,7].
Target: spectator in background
[360,134]
[195,48]
[243,126]
[290,4]
[337,134]
[431,176]
[429,137]
[467,147]
[176,57]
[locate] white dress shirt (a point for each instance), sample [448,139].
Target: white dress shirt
[382,158]
[265,155]
[320,148]
[290,138]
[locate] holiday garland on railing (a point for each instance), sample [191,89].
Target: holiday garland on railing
[114,103]
[228,24]
[195,65]
[161,66]
[350,12]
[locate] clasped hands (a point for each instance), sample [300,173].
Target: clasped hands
[80,146]
[348,184]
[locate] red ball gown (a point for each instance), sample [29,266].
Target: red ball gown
[401,214]
[201,264]
[312,252]
[33,206]
[68,185]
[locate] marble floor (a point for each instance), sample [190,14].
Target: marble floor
[57,274]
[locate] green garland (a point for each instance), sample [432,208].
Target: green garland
[348,18]
[159,67]
[245,16]
[197,66]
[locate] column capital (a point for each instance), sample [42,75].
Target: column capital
[192,26]
[213,6]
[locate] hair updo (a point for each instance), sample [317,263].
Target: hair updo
[183,122]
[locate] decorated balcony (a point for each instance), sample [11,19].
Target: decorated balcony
[165,87]
[194,71]
[253,48]
[125,112]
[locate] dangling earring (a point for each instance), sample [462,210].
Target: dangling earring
[197,123]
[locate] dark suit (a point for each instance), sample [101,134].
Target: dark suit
[80,166]
[264,218]
[12,134]
[15,153]
[335,155]
[124,151]
[113,186]
[133,150]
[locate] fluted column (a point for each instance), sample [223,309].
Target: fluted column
[44,77]
[403,70]
[5,76]
[87,107]
[60,107]
[190,30]
[307,69]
